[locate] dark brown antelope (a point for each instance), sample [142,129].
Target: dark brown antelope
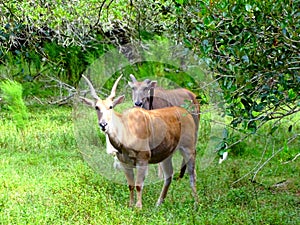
[143,137]
[147,95]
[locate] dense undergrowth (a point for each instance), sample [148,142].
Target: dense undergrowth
[44,180]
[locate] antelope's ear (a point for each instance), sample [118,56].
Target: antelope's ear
[153,84]
[118,100]
[87,101]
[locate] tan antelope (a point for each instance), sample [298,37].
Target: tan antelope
[147,95]
[143,137]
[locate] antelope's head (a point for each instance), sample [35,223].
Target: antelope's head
[104,108]
[140,90]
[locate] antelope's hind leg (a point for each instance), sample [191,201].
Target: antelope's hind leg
[192,173]
[167,169]
[189,157]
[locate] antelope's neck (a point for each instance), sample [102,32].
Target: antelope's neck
[116,130]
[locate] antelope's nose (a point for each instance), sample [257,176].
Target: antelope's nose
[103,125]
[139,104]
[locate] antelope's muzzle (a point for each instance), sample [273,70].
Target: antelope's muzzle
[103,125]
[138,103]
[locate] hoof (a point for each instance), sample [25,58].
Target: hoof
[138,205]
[159,202]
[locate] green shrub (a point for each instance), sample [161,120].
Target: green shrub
[12,96]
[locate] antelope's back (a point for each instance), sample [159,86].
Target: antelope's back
[177,97]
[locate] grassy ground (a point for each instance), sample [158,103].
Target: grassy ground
[44,180]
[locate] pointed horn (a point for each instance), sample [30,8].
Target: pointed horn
[132,78]
[113,90]
[92,89]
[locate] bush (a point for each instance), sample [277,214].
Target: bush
[12,96]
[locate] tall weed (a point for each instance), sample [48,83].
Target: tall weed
[12,94]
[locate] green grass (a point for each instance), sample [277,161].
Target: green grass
[44,180]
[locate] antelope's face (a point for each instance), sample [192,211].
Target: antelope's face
[104,108]
[140,90]
[104,113]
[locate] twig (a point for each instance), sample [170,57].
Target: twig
[247,174]
[292,159]
[63,100]
[258,168]
[273,155]
[5,6]
[39,100]
[99,14]
[107,7]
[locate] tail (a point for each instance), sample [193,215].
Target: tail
[195,111]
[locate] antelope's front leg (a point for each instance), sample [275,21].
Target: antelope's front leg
[142,168]
[128,170]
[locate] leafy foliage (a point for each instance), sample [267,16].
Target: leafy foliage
[12,95]
[253,49]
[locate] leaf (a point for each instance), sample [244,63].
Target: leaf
[290,128]
[221,147]
[291,94]
[225,133]
[187,42]
[245,103]
[248,7]
[252,126]
[245,58]
[273,129]
[180,2]
[259,107]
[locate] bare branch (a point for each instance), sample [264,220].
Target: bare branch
[63,100]
[292,159]
[261,165]
[273,155]
[251,171]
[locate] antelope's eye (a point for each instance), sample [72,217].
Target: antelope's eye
[97,108]
[110,107]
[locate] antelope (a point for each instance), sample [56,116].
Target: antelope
[147,95]
[142,137]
